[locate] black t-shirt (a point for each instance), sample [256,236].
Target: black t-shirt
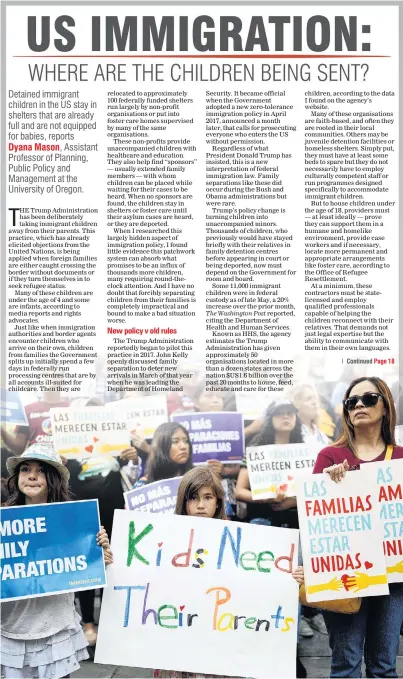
[106,489]
[264,510]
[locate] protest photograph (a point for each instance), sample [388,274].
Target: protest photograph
[201,320]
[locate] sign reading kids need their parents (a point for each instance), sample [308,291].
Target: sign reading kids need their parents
[188,594]
[341,536]
[50,549]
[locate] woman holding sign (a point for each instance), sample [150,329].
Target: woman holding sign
[42,636]
[281,426]
[368,421]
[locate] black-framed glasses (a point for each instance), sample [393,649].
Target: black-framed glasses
[368,400]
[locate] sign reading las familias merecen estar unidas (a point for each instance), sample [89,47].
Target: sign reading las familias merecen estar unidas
[388,477]
[87,432]
[351,532]
[193,593]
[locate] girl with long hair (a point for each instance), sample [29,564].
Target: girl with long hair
[368,424]
[171,453]
[201,494]
[42,636]
[281,425]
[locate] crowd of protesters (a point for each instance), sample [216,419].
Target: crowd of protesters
[351,421]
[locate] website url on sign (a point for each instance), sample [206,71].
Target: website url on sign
[73,583]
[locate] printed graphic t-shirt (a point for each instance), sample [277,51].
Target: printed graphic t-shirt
[38,417]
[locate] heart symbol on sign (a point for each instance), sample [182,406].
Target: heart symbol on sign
[95,439]
[368,565]
[89,449]
[289,477]
[181,608]
[283,488]
[160,544]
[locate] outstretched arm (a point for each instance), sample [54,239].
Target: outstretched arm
[334,585]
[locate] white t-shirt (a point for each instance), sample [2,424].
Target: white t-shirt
[37,618]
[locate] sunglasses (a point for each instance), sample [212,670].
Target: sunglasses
[368,400]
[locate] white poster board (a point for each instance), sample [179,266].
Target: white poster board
[341,536]
[89,432]
[389,479]
[143,415]
[197,595]
[272,469]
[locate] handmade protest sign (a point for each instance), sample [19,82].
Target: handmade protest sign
[86,432]
[11,409]
[50,549]
[157,497]
[190,594]
[341,536]
[143,415]
[214,436]
[272,468]
[389,479]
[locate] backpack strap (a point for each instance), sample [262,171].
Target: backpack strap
[389,453]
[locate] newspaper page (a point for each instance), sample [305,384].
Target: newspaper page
[214,188]
[200,237]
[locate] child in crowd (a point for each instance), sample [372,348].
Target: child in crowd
[201,494]
[42,636]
